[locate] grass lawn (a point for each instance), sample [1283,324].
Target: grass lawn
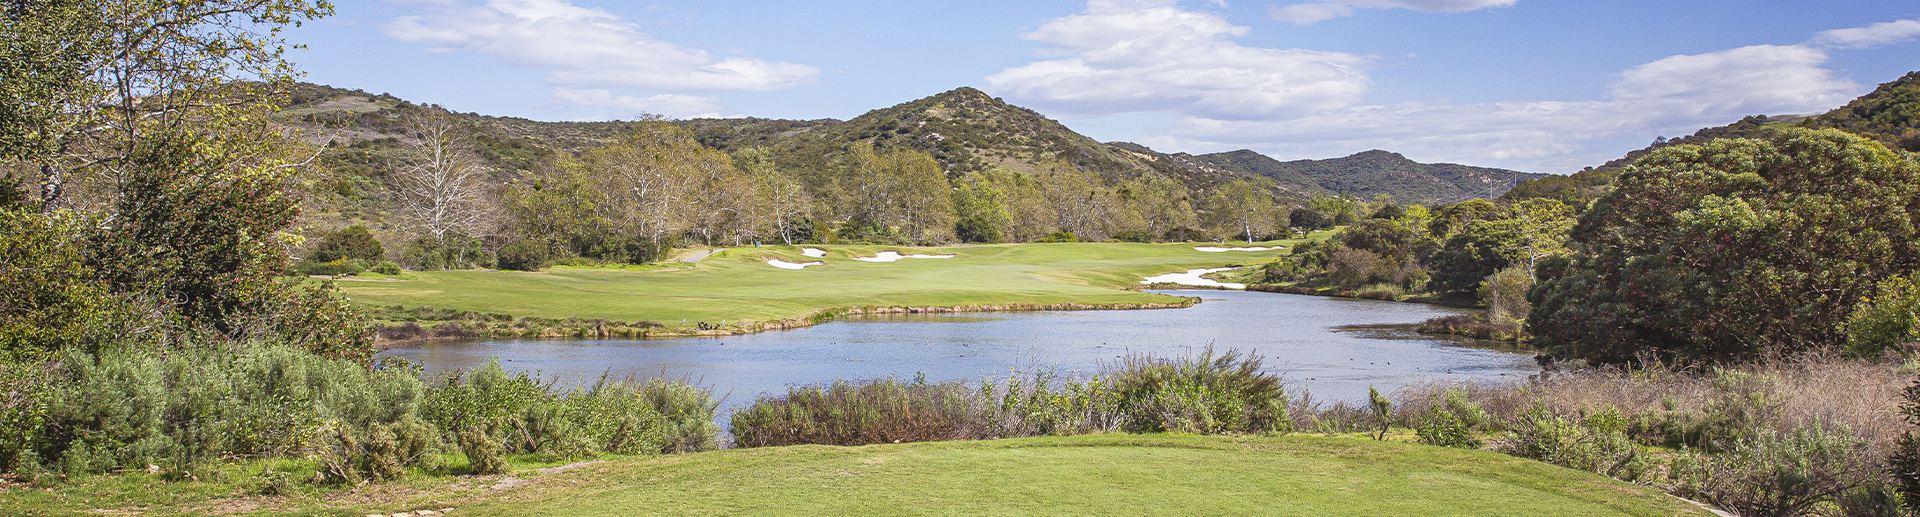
[1086,475]
[1081,475]
[738,284]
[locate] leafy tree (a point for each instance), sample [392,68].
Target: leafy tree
[1726,249]
[1243,206]
[48,295]
[83,82]
[1888,320]
[1385,238]
[1470,256]
[352,242]
[1308,219]
[980,213]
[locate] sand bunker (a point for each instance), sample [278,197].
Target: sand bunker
[813,252]
[1211,249]
[1192,277]
[782,264]
[889,256]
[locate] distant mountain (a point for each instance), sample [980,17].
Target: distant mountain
[1372,173]
[965,129]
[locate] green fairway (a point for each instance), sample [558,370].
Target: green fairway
[738,284]
[1085,475]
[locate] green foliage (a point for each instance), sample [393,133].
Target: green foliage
[1888,320]
[845,413]
[1890,114]
[386,268]
[1595,443]
[339,267]
[1385,239]
[1308,219]
[1470,256]
[524,256]
[980,213]
[350,243]
[1778,475]
[492,412]
[48,296]
[1382,409]
[1211,394]
[1451,420]
[1060,237]
[453,252]
[1904,463]
[1504,294]
[1686,257]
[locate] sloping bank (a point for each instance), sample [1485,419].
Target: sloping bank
[428,324]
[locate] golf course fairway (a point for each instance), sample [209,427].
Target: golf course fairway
[739,284]
[1083,475]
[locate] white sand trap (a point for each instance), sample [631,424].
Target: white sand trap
[782,264]
[1212,249]
[889,256]
[813,252]
[1192,277]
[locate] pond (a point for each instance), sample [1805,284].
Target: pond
[1333,347]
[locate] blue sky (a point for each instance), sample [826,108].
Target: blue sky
[1535,85]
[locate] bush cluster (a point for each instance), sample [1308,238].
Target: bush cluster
[1213,394]
[184,410]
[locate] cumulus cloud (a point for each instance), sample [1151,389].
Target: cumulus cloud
[1673,95]
[1122,56]
[1884,33]
[587,48]
[680,106]
[1311,13]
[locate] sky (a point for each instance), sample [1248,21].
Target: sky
[1534,85]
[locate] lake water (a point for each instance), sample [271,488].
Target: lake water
[1334,347]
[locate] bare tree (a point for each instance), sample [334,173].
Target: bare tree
[444,192]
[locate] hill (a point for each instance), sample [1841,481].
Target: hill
[1371,173]
[1889,114]
[965,129]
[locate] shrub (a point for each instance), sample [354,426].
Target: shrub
[1595,443]
[340,267]
[1062,236]
[352,242]
[1452,421]
[1134,236]
[387,268]
[454,252]
[857,413]
[1504,294]
[1774,474]
[1211,394]
[1348,268]
[1887,320]
[523,256]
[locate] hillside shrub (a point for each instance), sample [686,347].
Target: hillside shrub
[352,242]
[340,267]
[524,256]
[1061,236]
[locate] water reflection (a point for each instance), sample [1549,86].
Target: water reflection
[1334,347]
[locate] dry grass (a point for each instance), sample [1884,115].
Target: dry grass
[1778,394]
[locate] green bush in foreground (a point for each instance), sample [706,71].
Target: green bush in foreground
[1223,394]
[187,409]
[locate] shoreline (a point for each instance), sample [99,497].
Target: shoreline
[600,329]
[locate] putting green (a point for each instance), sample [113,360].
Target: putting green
[739,285]
[1085,475]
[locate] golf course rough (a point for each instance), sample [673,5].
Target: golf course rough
[1086,475]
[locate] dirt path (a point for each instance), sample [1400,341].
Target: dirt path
[702,255]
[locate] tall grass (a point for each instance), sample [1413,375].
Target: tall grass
[1212,394]
[181,410]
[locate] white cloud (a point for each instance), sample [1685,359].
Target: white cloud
[1884,33]
[678,106]
[587,48]
[1673,95]
[1309,14]
[1148,55]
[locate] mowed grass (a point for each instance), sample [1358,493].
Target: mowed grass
[1085,475]
[738,284]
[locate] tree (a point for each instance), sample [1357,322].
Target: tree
[1541,225]
[1308,219]
[84,81]
[443,192]
[1244,205]
[1733,247]
[980,212]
